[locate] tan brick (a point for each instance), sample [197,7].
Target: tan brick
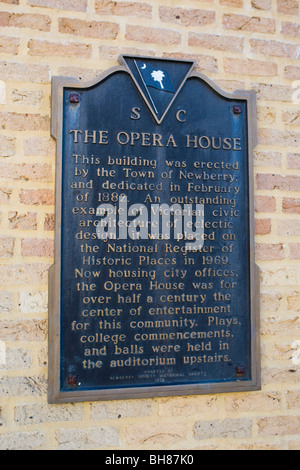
[283,183]
[37,413]
[17,359]
[272,92]
[293,160]
[266,159]
[7,146]
[7,245]
[280,351]
[24,72]
[23,386]
[266,115]
[91,29]
[274,48]
[290,29]
[292,72]
[270,302]
[152,35]
[112,52]
[232,3]
[163,434]
[6,302]
[262,226]
[291,117]
[22,440]
[253,402]
[24,274]
[278,137]
[24,122]
[216,42]
[37,196]
[124,409]
[41,146]
[293,399]
[80,73]
[46,48]
[18,221]
[279,425]
[288,228]
[186,17]
[231,85]
[291,205]
[294,302]
[294,250]
[247,23]
[274,326]
[288,7]
[26,171]
[232,428]
[25,20]
[135,9]
[289,375]
[28,330]
[88,438]
[204,63]
[49,222]
[33,302]
[265,204]
[77,5]
[261,4]
[189,406]
[5,194]
[267,252]
[250,67]
[37,247]
[9,45]
[27,97]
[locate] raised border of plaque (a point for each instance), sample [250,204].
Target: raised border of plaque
[55,393]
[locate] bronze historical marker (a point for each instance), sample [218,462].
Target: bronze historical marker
[154,290]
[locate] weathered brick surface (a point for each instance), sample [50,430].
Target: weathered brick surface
[187,17]
[37,247]
[22,221]
[239,44]
[135,9]
[31,21]
[90,29]
[47,48]
[77,5]
[250,67]
[245,23]
[37,196]
[217,42]
[152,35]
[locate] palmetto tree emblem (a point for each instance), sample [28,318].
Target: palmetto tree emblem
[158,76]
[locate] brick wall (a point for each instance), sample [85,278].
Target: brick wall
[251,44]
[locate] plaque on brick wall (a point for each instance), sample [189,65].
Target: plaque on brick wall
[154,290]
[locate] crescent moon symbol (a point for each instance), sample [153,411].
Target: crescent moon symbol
[144,66]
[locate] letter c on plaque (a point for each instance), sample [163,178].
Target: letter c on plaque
[181,111]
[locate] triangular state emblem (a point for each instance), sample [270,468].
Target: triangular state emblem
[158,80]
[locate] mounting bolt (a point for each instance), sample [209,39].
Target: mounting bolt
[74,98]
[72,380]
[237,109]
[240,370]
